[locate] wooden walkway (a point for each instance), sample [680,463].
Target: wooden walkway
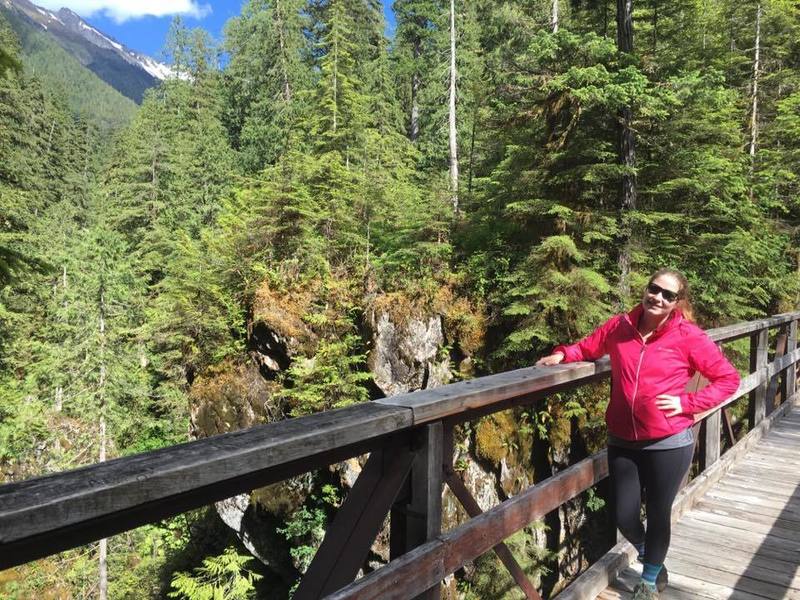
[741,540]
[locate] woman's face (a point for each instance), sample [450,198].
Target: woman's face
[661,296]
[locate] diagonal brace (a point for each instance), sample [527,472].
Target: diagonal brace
[357,522]
[501,550]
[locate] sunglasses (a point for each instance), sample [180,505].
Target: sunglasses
[667,295]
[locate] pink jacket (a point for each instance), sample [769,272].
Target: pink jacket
[663,364]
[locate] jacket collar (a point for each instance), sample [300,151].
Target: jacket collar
[675,319]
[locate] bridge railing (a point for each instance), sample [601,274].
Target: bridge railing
[409,439]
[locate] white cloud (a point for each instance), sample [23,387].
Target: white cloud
[123,10]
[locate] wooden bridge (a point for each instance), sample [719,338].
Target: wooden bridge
[738,535]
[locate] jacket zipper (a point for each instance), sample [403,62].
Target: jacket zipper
[635,392]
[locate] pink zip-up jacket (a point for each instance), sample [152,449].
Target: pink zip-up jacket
[663,364]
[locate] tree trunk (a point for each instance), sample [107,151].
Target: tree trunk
[472,150]
[627,155]
[103,546]
[756,70]
[335,79]
[413,129]
[554,17]
[281,23]
[655,27]
[452,115]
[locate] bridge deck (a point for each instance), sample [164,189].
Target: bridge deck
[741,541]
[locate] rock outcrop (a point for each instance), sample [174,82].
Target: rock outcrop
[408,355]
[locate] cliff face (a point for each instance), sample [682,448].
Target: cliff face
[408,349]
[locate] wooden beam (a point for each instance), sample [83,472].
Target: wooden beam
[49,514]
[431,562]
[780,350]
[740,330]
[438,403]
[710,435]
[501,550]
[727,426]
[758,363]
[789,379]
[357,523]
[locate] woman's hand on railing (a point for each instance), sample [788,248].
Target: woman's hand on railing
[553,359]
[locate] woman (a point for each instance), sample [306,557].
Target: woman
[654,349]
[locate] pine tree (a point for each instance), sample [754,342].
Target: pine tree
[266,79]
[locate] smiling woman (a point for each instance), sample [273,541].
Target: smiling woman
[654,349]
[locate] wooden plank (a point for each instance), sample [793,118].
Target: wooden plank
[777,462]
[735,503]
[789,379]
[710,436]
[758,363]
[752,498]
[438,403]
[782,363]
[782,479]
[409,576]
[480,534]
[740,330]
[607,569]
[730,558]
[358,521]
[781,344]
[468,541]
[748,539]
[723,508]
[777,466]
[700,589]
[756,495]
[680,587]
[788,494]
[48,514]
[469,503]
[426,495]
[773,530]
[700,569]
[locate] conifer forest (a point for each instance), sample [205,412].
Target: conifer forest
[315,212]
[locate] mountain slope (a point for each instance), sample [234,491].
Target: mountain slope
[127,71]
[86,94]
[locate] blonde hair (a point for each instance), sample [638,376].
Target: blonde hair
[684,303]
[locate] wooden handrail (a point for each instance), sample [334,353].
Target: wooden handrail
[48,514]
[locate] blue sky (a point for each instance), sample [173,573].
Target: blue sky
[118,19]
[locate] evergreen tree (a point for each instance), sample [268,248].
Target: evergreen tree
[266,78]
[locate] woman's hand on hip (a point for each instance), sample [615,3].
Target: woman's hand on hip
[553,359]
[671,405]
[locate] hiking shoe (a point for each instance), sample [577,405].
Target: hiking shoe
[662,579]
[642,591]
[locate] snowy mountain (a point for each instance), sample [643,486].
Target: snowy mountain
[130,72]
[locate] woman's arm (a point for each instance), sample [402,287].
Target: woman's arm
[723,379]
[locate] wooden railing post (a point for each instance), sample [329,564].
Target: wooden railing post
[417,518]
[709,447]
[758,362]
[789,378]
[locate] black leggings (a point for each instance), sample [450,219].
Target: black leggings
[659,473]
